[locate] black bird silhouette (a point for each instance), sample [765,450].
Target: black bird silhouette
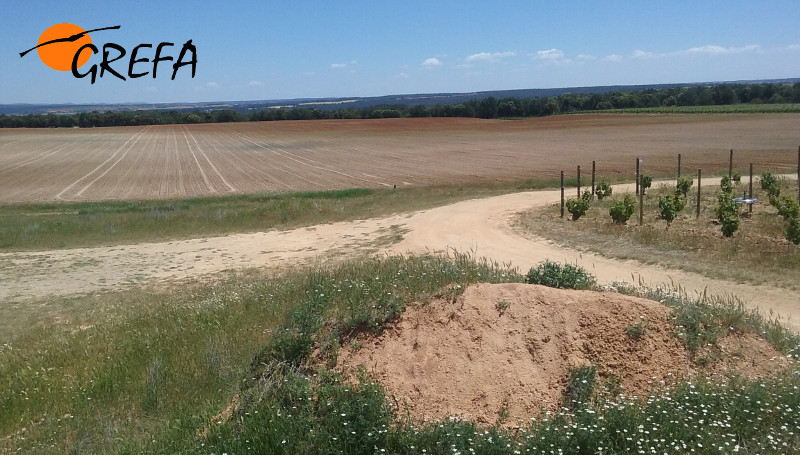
[68,39]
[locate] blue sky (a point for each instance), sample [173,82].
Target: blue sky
[295,49]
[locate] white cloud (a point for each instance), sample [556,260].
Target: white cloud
[719,50]
[255,84]
[585,58]
[612,58]
[403,76]
[431,62]
[212,84]
[644,54]
[550,55]
[489,56]
[338,65]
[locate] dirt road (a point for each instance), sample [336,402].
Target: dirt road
[483,226]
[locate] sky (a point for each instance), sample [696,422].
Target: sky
[265,50]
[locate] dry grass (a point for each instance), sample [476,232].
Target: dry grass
[758,253]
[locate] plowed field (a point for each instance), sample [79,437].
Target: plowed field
[174,161]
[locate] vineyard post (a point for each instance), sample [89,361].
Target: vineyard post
[579,181]
[641,205]
[593,169]
[750,196]
[679,165]
[699,178]
[730,165]
[562,194]
[637,176]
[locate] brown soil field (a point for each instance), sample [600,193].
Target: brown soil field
[176,161]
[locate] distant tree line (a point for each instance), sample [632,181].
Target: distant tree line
[488,108]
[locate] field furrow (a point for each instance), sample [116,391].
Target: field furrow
[176,161]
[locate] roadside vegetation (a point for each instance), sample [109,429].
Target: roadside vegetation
[243,366]
[69,225]
[725,242]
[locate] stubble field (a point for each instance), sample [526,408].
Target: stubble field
[177,161]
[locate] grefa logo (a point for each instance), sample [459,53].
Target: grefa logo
[66,47]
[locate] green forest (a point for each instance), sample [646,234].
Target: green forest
[750,94]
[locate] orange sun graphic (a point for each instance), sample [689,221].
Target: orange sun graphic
[59,55]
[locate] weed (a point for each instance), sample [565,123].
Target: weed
[580,386]
[555,275]
[502,306]
[636,331]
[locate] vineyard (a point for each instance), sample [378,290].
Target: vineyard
[178,161]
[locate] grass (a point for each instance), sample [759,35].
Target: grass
[153,371]
[70,225]
[139,366]
[758,253]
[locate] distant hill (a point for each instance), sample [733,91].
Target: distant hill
[425,99]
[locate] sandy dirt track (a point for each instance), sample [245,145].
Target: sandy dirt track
[483,226]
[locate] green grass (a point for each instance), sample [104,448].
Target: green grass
[149,372]
[133,367]
[68,225]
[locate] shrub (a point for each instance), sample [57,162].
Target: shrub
[666,209]
[736,177]
[683,185]
[767,180]
[793,230]
[727,213]
[602,190]
[621,211]
[579,207]
[555,275]
[788,208]
[646,183]
[726,184]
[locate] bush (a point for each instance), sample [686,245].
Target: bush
[726,184]
[602,190]
[727,213]
[666,209]
[793,230]
[646,183]
[767,180]
[683,185]
[555,275]
[579,207]
[788,208]
[737,177]
[621,211]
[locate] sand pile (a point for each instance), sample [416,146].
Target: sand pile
[510,347]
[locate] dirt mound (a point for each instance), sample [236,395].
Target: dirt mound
[507,350]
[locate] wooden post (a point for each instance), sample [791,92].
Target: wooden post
[750,196]
[699,179]
[641,205]
[562,194]
[637,176]
[730,165]
[679,165]
[593,169]
[579,181]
